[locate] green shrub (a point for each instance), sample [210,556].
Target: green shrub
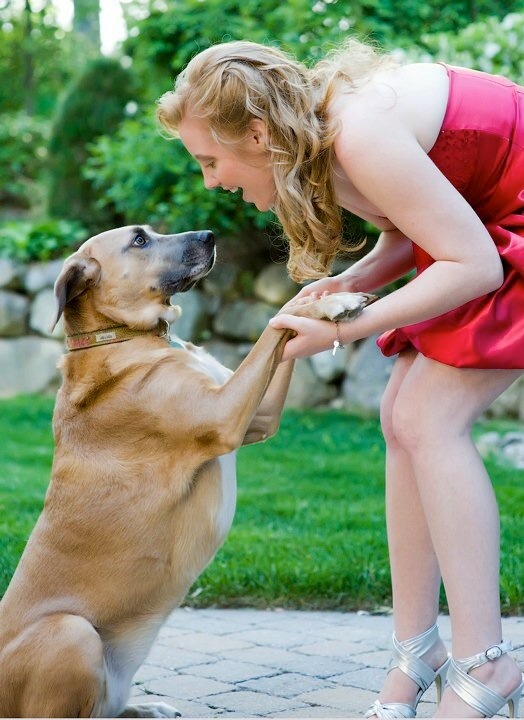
[94,105]
[23,153]
[40,241]
[492,45]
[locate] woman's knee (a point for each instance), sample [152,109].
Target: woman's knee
[387,405]
[421,419]
[409,425]
[389,397]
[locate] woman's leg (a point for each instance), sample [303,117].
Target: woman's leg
[415,574]
[432,415]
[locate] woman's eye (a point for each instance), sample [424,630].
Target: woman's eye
[139,241]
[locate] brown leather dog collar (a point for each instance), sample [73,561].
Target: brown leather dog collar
[117,334]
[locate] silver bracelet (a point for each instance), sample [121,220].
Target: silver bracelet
[337,342]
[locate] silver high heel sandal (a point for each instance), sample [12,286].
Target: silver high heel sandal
[476,694]
[406,657]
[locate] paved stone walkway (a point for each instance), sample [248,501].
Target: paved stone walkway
[256,663]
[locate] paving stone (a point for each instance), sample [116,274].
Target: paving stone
[167,634]
[312,712]
[286,685]
[332,648]
[322,667]
[230,671]
[217,663]
[285,660]
[174,657]
[378,659]
[254,703]
[270,656]
[150,672]
[351,700]
[353,634]
[245,616]
[304,624]
[277,638]
[208,643]
[364,678]
[188,687]
[216,622]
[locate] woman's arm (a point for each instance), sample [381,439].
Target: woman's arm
[390,259]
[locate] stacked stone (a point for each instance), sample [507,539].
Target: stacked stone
[29,352]
[219,314]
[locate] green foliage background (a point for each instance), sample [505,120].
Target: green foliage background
[92,106]
[122,170]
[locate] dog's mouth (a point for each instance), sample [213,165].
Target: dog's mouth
[178,281]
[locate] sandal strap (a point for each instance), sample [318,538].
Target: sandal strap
[390,710]
[406,657]
[492,653]
[474,693]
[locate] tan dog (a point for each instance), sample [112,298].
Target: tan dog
[143,486]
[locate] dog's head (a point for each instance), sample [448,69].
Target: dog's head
[130,273]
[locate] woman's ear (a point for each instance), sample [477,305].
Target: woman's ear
[258,132]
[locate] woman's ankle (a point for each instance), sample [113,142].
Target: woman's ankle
[502,675]
[399,687]
[436,656]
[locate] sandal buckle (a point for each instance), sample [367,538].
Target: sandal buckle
[493,653]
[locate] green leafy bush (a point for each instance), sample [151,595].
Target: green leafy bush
[492,45]
[94,105]
[37,57]
[40,241]
[23,153]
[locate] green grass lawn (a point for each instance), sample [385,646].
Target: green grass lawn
[309,529]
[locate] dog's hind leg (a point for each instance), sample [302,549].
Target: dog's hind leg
[55,669]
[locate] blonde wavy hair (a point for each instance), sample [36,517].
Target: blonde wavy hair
[230,84]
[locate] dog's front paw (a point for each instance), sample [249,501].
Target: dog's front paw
[337,306]
[150,710]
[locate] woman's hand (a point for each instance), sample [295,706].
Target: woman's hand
[312,336]
[324,286]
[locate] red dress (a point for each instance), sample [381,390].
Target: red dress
[480,150]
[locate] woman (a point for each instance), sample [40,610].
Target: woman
[433,156]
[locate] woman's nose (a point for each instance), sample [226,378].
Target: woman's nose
[210,181]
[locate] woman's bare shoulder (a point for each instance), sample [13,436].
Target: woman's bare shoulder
[410,98]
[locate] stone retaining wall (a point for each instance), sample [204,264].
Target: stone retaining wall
[216,315]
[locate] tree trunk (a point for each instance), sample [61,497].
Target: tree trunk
[29,99]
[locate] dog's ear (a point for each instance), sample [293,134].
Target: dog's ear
[79,273]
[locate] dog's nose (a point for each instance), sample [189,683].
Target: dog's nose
[206,236]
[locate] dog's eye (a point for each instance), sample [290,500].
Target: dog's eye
[139,241]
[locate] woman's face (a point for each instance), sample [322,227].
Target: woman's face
[244,166]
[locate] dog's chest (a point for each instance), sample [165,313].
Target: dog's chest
[209,365]
[225,510]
